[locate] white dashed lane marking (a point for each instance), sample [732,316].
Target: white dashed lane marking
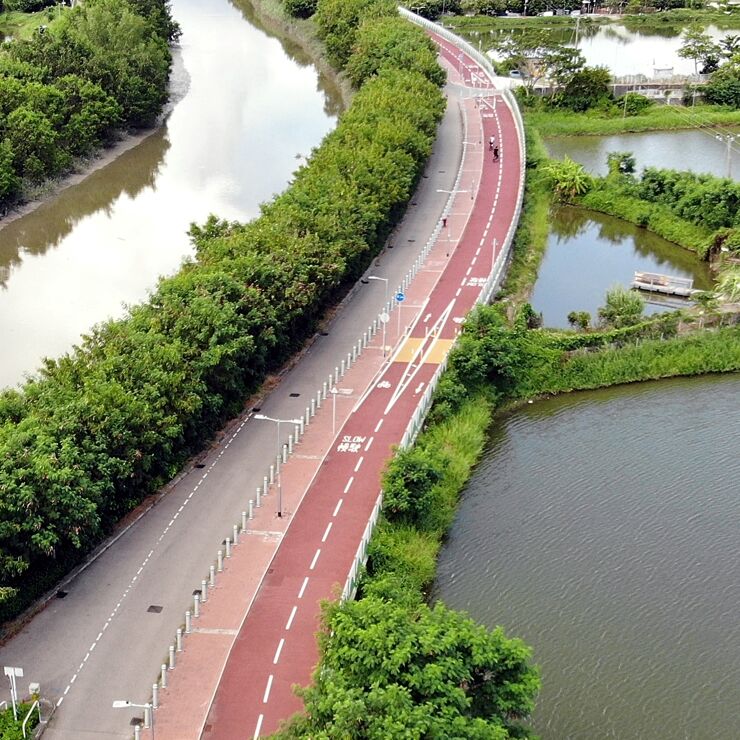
[338,507]
[267,690]
[326,533]
[315,559]
[291,618]
[277,652]
[303,588]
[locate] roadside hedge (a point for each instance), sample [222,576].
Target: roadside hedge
[95,68]
[105,425]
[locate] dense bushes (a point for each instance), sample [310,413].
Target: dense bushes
[102,427]
[699,212]
[101,65]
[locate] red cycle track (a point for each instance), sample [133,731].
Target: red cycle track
[276,645]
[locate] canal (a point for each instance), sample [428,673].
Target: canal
[601,527]
[247,105]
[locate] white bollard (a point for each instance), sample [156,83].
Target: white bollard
[264,486]
[203,591]
[364,340]
[244,521]
[341,369]
[285,454]
[301,427]
[155,695]
[313,408]
[272,474]
[172,657]
[228,550]
[349,360]
[290,444]
[212,575]
[163,677]
[196,605]
[307,419]
[318,399]
[324,390]
[251,509]
[235,535]
[147,717]
[178,639]
[220,561]
[259,496]
[354,353]
[188,622]
[137,732]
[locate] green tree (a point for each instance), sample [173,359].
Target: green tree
[382,43]
[415,672]
[579,319]
[9,180]
[698,46]
[586,89]
[407,484]
[622,308]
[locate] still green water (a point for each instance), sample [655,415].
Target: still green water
[602,528]
[246,105]
[588,253]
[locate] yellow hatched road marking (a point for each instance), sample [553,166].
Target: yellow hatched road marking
[412,344]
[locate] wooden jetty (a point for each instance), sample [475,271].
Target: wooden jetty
[666,284]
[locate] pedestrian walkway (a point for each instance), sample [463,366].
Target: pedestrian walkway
[255,636]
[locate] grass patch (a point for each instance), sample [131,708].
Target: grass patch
[22,25]
[656,118]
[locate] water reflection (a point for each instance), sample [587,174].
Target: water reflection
[697,150]
[588,253]
[136,169]
[228,145]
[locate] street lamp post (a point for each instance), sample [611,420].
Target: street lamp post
[262,417]
[148,711]
[334,391]
[384,317]
[728,139]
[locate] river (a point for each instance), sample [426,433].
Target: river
[247,105]
[602,528]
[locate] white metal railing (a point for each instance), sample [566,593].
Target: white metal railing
[350,586]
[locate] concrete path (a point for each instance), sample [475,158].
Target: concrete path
[107,638]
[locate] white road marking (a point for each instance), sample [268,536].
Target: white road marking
[259,726]
[339,506]
[326,533]
[349,483]
[369,442]
[470,269]
[303,588]
[378,425]
[61,699]
[359,462]
[277,652]
[267,690]
[459,290]
[315,558]
[291,618]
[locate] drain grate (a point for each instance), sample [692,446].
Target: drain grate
[324,333]
[294,395]
[62,594]
[155,608]
[257,409]
[200,465]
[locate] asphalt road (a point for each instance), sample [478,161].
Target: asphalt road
[102,642]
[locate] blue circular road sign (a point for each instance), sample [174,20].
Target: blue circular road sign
[400,297]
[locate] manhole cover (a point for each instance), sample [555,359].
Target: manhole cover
[257,409]
[200,465]
[411,241]
[155,608]
[61,594]
[324,333]
[294,395]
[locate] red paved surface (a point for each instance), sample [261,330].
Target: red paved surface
[276,646]
[331,499]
